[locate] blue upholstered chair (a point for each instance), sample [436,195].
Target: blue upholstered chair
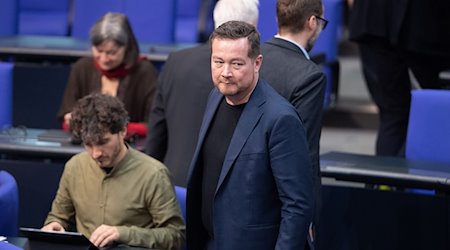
[8,17]
[428,136]
[6,79]
[87,12]
[9,205]
[44,17]
[186,21]
[267,21]
[153,21]
[328,43]
[181,197]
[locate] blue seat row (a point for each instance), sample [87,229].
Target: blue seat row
[6,75]
[153,21]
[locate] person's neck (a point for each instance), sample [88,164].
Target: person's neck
[299,38]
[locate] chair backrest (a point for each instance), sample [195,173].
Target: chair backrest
[6,83]
[267,21]
[9,205]
[428,136]
[152,20]
[181,197]
[187,17]
[87,12]
[44,17]
[8,17]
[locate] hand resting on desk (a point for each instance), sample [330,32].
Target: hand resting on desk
[103,236]
[53,226]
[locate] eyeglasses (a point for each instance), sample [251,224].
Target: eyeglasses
[323,21]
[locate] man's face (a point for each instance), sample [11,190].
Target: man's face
[108,54]
[234,73]
[109,150]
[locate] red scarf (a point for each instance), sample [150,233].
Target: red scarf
[118,72]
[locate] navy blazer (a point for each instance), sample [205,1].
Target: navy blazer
[303,84]
[264,196]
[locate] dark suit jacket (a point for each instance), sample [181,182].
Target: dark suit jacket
[302,83]
[413,25]
[264,196]
[183,88]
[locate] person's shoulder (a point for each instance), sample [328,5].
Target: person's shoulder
[77,161]
[278,57]
[192,52]
[149,163]
[84,62]
[84,65]
[271,95]
[144,67]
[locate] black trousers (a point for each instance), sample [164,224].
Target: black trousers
[385,70]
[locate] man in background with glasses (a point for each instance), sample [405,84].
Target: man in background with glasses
[288,68]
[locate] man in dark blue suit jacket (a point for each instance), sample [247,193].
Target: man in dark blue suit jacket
[183,89]
[250,183]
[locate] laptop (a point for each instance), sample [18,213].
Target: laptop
[45,240]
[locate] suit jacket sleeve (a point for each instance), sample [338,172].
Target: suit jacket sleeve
[157,140]
[74,88]
[308,101]
[292,172]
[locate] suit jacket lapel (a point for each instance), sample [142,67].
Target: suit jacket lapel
[247,122]
[211,108]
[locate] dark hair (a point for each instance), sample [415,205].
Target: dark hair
[292,14]
[236,30]
[96,114]
[116,27]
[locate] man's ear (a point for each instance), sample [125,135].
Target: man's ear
[311,23]
[258,62]
[124,131]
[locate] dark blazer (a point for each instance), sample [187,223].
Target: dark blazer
[303,84]
[264,196]
[136,90]
[183,88]
[412,25]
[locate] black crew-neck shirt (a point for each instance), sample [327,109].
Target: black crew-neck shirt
[213,153]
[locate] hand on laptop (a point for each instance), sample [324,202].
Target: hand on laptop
[104,235]
[53,226]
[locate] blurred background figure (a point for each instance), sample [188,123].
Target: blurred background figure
[116,69]
[400,42]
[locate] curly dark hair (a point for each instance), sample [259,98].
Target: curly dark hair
[97,114]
